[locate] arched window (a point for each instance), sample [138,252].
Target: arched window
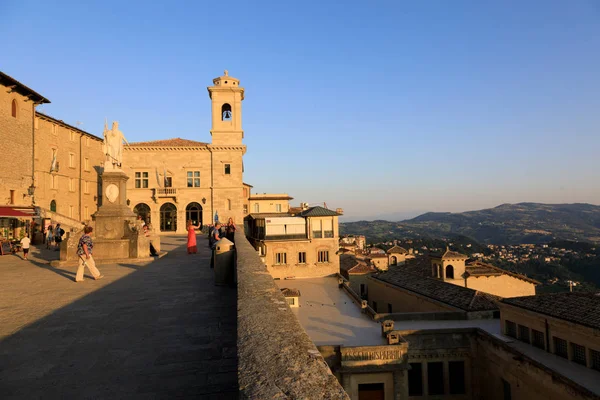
[449,272]
[143,210]
[14,108]
[394,260]
[226,112]
[193,212]
[53,206]
[256,208]
[168,217]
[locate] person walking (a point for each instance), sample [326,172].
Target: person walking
[212,242]
[25,243]
[230,230]
[191,238]
[58,234]
[49,237]
[84,251]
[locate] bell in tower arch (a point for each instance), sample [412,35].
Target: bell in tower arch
[226,112]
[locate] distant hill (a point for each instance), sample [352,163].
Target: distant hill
[505,224]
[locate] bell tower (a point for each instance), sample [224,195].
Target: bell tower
[227,150]
[226,96]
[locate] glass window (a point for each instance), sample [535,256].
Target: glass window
[578,352]
[524,334]
[291,300]
[193,179]
[538,339]
[256,208]
[227,169]
[510,328]
[86,164]
[141,180]
[560,347]
[302,257]
[280,258]
[595,358]
[278,207]
[323,256]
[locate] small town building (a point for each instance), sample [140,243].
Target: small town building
[296,245]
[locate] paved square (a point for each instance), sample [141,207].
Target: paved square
[160,330]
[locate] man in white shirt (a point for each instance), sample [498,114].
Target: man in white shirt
[25,242]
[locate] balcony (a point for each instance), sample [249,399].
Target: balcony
[169,192]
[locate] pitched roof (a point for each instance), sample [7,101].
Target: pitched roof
[448,254]
[63,123]
[419,266]
[289,292]
[478,268]
[268,215]
[577,307]
[318,211]
[353,266]
[456,296]
[22,89]
[397,250]
[176,142]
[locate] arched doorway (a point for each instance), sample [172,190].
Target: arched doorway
[193,212]
[143,210]
[168,217]
[394,261]
[53,206]
[449,272]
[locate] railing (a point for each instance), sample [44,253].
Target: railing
[328,234]
[286,237]
[317,234]
[276,358]
[165,192]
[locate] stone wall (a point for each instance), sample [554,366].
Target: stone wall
[497,364]
[16,137]
[276,358]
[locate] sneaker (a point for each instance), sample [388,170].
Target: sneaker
[99,277]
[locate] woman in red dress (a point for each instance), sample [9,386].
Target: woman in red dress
[191,240]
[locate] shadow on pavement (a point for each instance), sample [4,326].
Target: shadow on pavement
[163,331]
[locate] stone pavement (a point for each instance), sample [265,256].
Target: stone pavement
[160,330]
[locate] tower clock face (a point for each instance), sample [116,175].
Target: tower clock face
[112,192]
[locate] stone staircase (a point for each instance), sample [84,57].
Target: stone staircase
[67,223]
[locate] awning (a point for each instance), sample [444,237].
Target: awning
[16,212]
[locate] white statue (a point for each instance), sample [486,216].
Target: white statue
[113,144]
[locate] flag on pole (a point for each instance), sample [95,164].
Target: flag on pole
[157,178]
[165,176]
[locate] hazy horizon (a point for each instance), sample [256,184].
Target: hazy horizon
[379,109]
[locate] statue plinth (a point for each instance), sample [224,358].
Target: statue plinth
[114,217]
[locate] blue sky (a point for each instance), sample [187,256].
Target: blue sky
[384,108]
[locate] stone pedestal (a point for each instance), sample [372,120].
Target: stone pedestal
[113,218]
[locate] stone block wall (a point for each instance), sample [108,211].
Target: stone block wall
[276,358]
[16,138]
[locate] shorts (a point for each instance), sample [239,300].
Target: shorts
[25,251]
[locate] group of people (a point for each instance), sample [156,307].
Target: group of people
[54,237]
[215,233]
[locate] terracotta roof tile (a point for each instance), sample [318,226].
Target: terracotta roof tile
[397,250]
[456,296]
[289,292]
[579,308]
[478,268]
[176,142]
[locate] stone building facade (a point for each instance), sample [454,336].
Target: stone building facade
[296,245]
[452,267]
[269,203]
[17,137]
[171,181]
[68,162]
